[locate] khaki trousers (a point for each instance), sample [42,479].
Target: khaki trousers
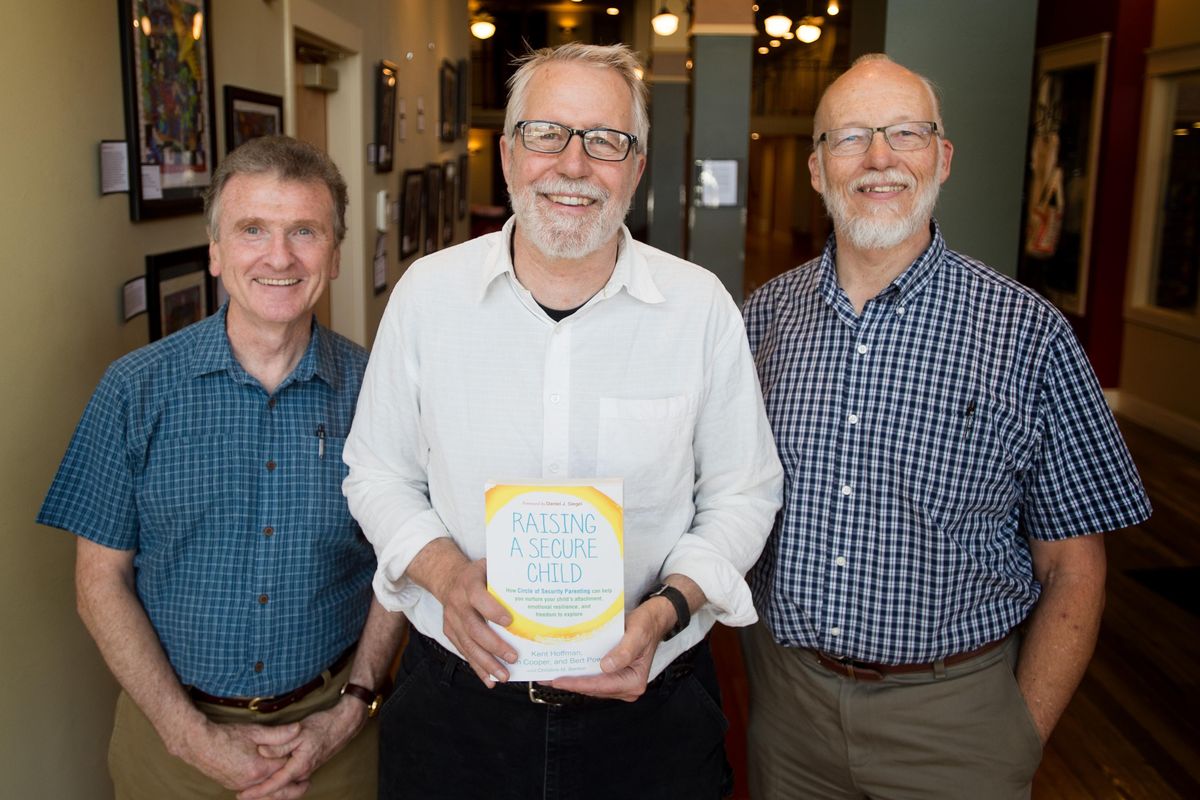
[817,734]
[142,769]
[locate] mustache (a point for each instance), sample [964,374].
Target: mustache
[579,187]
[887,176]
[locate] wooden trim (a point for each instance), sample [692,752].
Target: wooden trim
[1171,424]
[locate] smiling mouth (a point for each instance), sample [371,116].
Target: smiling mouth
[277,281]
[570,200]
[890,188]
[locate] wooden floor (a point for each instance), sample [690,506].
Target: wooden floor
[1133,729]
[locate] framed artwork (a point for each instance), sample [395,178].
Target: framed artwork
[179,290]
[449,198]
[462,186]
[448,89]
[412,190]
[250,114]
[385,115]
[1060,183]
[464,99]
[433,197]
[170,113]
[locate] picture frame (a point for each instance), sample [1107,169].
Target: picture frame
[449,200]
[433,188]
[448,91]
[1061,177]
[179,290]
[464,98]
[463,169]
[249,115]
[385,115]
[170,112]
[412,198]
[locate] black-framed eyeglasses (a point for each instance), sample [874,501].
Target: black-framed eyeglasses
[603,144]
[902,136]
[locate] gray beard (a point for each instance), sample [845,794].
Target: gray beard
[885,229]
[557,237]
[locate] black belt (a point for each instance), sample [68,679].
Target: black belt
[267,705]
[535,692]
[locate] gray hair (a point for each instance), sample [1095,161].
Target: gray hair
[616,57]
[290,160]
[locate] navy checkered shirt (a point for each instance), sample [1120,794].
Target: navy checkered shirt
[249,565]
[922,443]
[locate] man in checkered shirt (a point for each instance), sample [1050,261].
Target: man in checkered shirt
[932,590]
[217,565]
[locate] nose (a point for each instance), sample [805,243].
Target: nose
[574,162]
[279,251]
[880,154]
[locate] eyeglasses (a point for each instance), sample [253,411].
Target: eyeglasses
[902,136]
[604,144]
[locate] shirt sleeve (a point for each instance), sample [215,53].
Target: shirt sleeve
[92,494]
[739,479]
[1082,479]
[387,487]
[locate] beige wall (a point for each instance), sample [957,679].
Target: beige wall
[68,251]
[1160,385]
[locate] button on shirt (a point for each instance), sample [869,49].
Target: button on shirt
[650,381]
[248,564]
[923,442]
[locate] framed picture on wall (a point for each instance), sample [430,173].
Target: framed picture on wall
[464,98]
[462,186]
[250,114]
[449,199]
[179,290]
[448,89]
[433,197]
[412,190]
[385,115]
[170,113]
[1060,182]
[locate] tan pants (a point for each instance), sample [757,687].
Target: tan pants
[142,769]
[815,734]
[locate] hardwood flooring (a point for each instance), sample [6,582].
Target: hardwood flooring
[1133,729]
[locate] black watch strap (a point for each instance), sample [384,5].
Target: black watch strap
[683,614]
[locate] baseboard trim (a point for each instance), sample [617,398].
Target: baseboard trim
[1184,430]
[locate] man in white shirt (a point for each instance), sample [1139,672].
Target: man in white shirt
[560,348]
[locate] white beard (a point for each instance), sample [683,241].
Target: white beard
[884,228]
[560,236]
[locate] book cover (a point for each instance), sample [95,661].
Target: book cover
[555,560]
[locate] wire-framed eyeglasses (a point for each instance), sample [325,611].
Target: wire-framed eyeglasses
[902,136]
[603,144]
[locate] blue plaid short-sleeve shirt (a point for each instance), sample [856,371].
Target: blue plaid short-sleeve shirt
[248,563]
[923,442]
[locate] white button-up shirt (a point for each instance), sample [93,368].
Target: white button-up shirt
[650,381]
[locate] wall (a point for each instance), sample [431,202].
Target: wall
[1160,385]
[68,252]
[980,54]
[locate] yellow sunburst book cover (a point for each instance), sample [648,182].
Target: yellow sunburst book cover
[556,561]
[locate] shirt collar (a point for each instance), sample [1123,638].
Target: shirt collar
[213,353]
[907,284]
[631,272]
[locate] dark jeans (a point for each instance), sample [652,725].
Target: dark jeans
[443,735]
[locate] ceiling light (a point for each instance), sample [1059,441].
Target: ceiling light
[777,24]
[833,8]
[789,35]
[665,23]
[762,51]
[774,43]
[483,26]
[809,30]
[612,11]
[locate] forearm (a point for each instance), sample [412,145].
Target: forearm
[377,646]
[1061,634]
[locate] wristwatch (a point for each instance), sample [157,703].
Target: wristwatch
[371,698]
[683,614]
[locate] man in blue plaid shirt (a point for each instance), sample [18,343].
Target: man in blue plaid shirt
[932,590]
[218,567]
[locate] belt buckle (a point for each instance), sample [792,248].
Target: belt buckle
[533,698]
[255,702]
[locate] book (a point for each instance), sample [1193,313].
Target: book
[555,560]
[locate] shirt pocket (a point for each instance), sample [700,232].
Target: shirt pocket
[184,480]
[648,443]
[326,510]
